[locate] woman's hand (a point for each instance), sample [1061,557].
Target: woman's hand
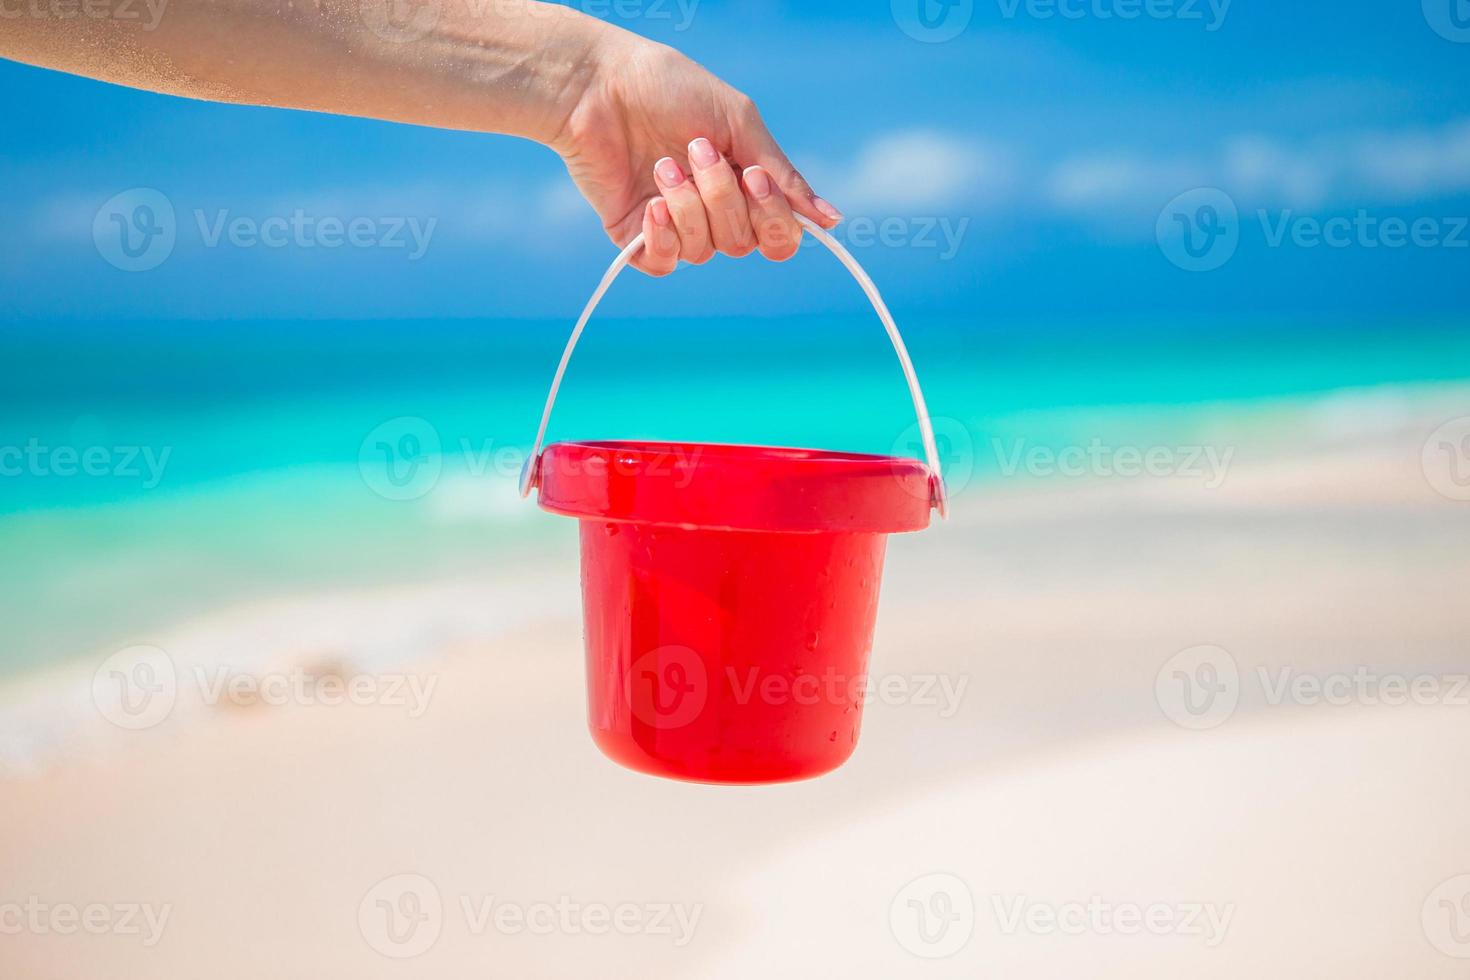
[659,145]
[616,106]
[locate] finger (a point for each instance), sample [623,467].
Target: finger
[724,204]
[753,143]
[770,216]
[687,208]
[660,241]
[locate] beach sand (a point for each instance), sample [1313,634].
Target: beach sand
[1052,819]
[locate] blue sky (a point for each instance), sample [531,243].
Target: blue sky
[1031,166]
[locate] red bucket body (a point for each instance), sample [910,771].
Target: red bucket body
[729,597]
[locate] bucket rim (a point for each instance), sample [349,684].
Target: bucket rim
[733,486]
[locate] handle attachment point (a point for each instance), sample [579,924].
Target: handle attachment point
[938,497]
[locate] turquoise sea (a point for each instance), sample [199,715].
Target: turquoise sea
[155,471]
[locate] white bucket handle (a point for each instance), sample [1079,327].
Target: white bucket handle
[937,497]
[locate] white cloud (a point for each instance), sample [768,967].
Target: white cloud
[1418,162]
[1357,169]
[1108,181]
[920,169]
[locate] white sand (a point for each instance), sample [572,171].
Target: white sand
[1317,834]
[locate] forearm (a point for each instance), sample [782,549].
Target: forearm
[505,66]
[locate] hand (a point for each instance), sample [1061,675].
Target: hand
[659,145]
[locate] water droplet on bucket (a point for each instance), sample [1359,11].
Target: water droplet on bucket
[812,639]
[832,737]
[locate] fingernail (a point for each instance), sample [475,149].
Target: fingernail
[826,209]
[703,153]
[759,182]
[661,212]
[668,172]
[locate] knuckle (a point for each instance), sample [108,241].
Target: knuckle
[744,105]
[739,249]
[795,183]
[721,191]
[779,252]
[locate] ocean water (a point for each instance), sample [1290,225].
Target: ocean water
[153,472]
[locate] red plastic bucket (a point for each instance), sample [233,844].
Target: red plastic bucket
[729,592]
